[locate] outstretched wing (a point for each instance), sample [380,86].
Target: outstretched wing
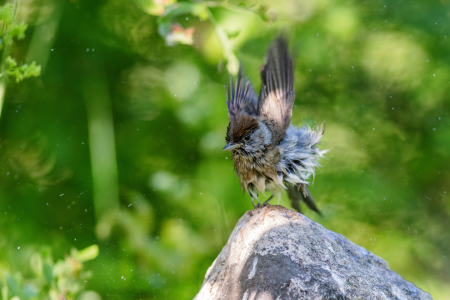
[241,99]
[277,91]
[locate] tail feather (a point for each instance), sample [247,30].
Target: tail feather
[301,193]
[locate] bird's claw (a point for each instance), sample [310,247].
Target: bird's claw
[267,201]
[259,205]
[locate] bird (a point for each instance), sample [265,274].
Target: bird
[268,152]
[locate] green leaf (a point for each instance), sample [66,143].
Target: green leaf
[48,272]
[232,64]
[153,8]
[17,30]
[89,295]
[233,34]
[182,8]
[5,292]
[7,14]
[10,62]
[22,72]
[264,14]
[86,254]
[30,291]
[164,27]
[14,283]
[36,263]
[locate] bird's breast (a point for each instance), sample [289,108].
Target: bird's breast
[257,169]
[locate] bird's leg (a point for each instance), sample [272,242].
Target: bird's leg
[253,202]
[267,201]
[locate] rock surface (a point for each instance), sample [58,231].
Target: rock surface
[275,253]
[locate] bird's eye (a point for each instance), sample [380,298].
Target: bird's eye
[247,137]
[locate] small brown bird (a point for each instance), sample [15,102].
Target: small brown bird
[269,153]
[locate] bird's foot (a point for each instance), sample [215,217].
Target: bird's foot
[253,202]
[267,201]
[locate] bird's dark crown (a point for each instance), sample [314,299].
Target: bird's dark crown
[241,128]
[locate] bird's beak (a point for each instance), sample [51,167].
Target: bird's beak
[230,146]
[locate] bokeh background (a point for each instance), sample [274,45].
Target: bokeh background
[118,142]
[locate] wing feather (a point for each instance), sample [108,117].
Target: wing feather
[241,98]
[277,91]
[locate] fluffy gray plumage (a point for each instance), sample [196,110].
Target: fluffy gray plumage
[299,153]
[268,153]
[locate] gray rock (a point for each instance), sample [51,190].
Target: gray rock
[275,253]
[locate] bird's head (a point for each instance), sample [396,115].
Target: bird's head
[247,134]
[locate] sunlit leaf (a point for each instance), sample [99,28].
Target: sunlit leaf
[88,253]
[36,263]
[89,295]
[17,30]
[155,7]
[10,62]
[22,72]
[233,34]
[232,64]
[7,14]
[181,8]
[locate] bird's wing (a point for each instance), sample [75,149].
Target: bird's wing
[241,98]
[277,91]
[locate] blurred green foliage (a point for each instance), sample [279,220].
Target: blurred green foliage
[44,279]
[118,142]
[10,29]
